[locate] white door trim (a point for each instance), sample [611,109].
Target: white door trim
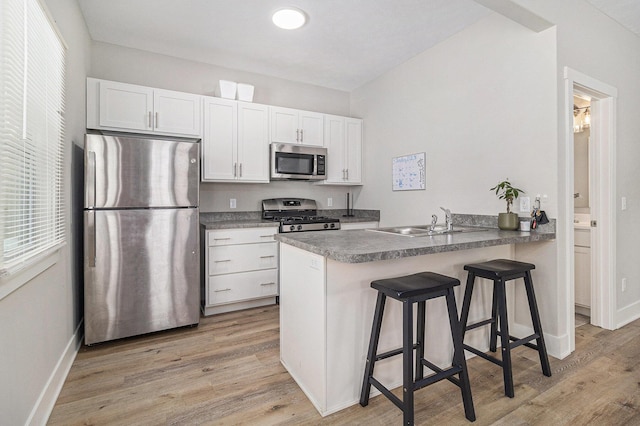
[604,97]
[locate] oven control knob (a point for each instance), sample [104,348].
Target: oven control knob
[333,225]
[299,227]
[292,228]
[326,225]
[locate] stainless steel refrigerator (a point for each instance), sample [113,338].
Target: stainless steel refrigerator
[141,239]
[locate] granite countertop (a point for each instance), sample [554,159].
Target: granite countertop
[253,219]
[359,246]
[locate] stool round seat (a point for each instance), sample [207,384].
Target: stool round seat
[410,289]
[500,271]
[415,285]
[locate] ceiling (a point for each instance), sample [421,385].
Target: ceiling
[345,43]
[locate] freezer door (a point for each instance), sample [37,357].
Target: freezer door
[136,172]
[142,271]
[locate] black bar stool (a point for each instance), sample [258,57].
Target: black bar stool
[500,271]
[411,289]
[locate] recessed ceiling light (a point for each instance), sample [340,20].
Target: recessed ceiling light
[289,18]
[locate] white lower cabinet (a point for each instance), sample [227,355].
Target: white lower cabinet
[240,269]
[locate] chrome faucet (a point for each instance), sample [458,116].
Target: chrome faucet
[434,221]
[448,219]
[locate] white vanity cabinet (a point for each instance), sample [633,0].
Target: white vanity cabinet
[290,125]
[582,254]
[235,145]
[343,140]
[240,269]
[128,107]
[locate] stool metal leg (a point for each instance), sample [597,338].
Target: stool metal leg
[504,338]
[458,357]
[493,336]
[420,340]
[537,325]
[407,362]
[373,349]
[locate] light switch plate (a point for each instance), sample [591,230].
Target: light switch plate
[329,202]
[232,203]
[525,204]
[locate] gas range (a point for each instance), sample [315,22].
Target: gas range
[297,215]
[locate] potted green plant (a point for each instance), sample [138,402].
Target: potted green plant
[505,191]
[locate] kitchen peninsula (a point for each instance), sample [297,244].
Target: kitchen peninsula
[327,305]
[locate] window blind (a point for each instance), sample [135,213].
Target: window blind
[32,66]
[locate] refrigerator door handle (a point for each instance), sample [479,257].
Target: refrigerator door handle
[91,179]
[91,236]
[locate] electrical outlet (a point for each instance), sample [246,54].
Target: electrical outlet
[624,284]
[232,203]
[525,204]
[329,202]
[623,203]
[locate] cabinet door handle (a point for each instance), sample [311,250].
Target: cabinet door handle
[347,170]
[235,169]
[224,289]
[271,283]
[156,120]
[150,124]
[297,135]
[222,261]
[240,170]
[301,135]
[266,257]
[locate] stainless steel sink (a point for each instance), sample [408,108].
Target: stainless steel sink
[425,230]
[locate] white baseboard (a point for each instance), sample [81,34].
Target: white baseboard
[628,314]
[44,406]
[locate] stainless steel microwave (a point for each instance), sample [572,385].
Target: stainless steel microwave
[301,162]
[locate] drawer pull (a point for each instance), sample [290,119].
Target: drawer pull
[222,261]
[266,236]
[222,239]
[266,257]
[271,283]
[224,289]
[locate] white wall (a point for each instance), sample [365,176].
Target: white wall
[481,105]
[38,321]
[597,46]
[128,65]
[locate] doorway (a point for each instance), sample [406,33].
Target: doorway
[581,207]
[601,196]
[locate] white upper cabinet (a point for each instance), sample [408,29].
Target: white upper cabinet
[220,140]
[128,107]
[235,145]
[343,140]
[296,126]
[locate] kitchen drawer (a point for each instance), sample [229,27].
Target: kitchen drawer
[223,237]
[243,286]
[582,238]
[242,258]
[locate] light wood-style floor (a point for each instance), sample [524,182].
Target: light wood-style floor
[227,371]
